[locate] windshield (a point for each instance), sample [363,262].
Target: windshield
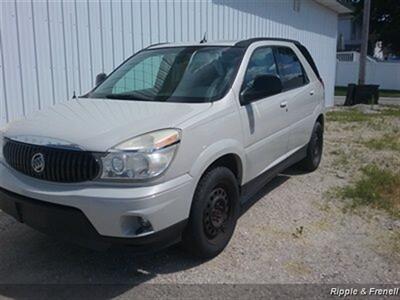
[176,74]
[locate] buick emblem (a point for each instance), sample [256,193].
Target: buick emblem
[38,163]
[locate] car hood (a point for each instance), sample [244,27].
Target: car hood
[99,124]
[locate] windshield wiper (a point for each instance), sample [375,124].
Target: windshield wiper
[127,97]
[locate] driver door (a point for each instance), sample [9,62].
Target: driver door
[264,120]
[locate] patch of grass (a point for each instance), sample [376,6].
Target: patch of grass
[355,115]
[391,112]
[376,188]
[350,115]
[389,93]
[386,142]
[342,91]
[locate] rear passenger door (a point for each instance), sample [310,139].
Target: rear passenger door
[299,96]
[264,120]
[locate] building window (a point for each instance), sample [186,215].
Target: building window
[296,5]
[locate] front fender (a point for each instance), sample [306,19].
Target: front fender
[214,151]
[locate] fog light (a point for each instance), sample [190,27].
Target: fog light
[144,222]
[144,226]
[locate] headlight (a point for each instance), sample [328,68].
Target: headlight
[143,157]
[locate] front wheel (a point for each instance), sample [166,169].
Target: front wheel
[314,149]
[214,213]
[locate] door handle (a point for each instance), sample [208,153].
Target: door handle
[312,92]
[283,104]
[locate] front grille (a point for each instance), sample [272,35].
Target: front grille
[60,165]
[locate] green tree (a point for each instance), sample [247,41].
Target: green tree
[384,23]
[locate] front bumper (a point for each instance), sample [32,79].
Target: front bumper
[71,224]
[111,211]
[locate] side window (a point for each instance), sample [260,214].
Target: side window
[290,69]
[262,62]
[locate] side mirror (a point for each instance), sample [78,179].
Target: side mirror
[263,86]
[100,78]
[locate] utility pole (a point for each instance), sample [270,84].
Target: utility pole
[364,41]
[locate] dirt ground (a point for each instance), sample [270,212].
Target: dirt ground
[295,232]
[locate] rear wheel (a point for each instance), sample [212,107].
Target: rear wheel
[214,213]
[314,149]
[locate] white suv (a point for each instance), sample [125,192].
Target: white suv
[166,148]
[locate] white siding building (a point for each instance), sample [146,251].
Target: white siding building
[50,50]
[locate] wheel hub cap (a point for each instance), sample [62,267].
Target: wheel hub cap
[216,212]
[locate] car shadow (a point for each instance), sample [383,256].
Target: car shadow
[294,171]
[265,190]
[30,261]
[34,263]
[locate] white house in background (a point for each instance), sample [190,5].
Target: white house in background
[50,50]
[385,74]
[349,36]
[349,33]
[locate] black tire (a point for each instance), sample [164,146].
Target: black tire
[314,149]
[213,215]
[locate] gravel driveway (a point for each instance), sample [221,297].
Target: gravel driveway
[291,234]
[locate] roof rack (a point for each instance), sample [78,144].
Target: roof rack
[248,42]
[157,44]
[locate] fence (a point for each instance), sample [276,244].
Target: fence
[386,74]
[351,56]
